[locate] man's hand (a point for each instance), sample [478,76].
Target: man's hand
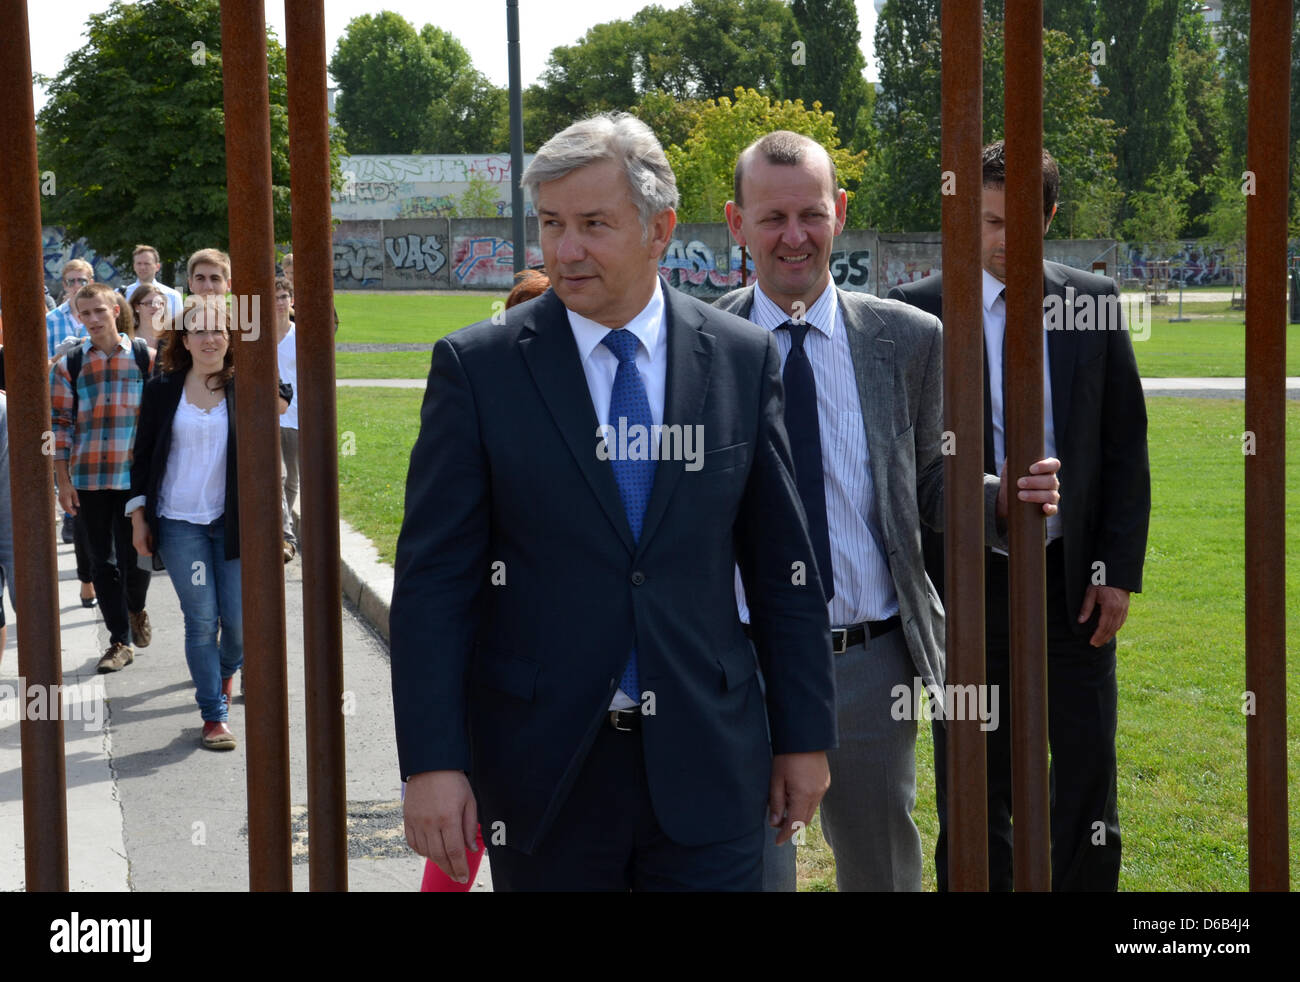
[442,820]
[140,537]
[68,499]
[798,783]
[1114,611]
[1041,485]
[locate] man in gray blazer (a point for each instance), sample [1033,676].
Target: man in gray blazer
[864,411]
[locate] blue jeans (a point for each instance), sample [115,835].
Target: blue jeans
[207,585]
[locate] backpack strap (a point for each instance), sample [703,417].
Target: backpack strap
[139,347]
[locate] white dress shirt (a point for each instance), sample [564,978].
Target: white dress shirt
[287,354]
[995,327]
[193,487]
[600,364]
[864,587]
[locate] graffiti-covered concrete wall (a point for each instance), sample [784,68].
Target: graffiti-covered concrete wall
[702,260]
[56,250]
[426,254]
[392,186]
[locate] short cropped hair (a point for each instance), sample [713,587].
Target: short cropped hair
[75,264]
[993,165]
[214,256]
[610,136]
[146,248]
[780,147]
[283,283]
[92,290]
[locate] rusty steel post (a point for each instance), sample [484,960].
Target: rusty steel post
[1023,374]
[248,179]
[31,476]
[963,402]
[1267,126]
[309,162]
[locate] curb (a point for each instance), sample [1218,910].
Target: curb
[367,580]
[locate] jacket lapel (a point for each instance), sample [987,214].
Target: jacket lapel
[690,354]
[873,368]
[548,349]
[1060,352]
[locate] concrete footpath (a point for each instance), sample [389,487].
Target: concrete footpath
[149,809]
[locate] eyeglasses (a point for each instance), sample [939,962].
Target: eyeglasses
[157,303]
[77,282]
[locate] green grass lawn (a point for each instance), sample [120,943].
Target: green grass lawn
[1211,344]
[1182,757]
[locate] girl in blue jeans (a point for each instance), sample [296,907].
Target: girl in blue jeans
[185,503]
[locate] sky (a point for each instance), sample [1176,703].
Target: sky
[57,28]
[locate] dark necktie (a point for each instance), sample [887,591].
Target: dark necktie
[635,478]
[806,449]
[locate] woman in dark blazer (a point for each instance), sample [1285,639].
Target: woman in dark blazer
[185,506]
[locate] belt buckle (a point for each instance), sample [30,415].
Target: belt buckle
[839,640]
[615,718]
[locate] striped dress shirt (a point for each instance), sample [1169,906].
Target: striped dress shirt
[864,587]
[98,442]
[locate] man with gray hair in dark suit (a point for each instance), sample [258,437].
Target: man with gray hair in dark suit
[864,412]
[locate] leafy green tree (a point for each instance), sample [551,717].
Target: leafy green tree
[904,173]
[1234,37]
[388,76]
[671,119]
[134,133]
[479,200]
[705,165]
[1198,60]
[695,52]
[832,67]
[403,91]
[1145,97]
[1075,130]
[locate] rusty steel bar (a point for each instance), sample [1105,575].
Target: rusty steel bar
[963,402]
[252,252]
[1023,374]
[322,587]
[1267,126]
[31,477]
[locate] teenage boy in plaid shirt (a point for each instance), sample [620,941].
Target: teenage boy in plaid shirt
[94,432]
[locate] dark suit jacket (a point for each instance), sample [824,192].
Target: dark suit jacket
[519,591]
[1101,439]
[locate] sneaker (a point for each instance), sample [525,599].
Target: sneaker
[217,736]
[141,632]
[289,552]
[67,530]
[116,658]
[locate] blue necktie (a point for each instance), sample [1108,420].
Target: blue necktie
[628,403]
[806,449]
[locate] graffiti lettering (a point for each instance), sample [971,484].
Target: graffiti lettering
[422,253]
[358,262]
[852,269]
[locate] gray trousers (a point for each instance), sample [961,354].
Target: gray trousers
[867,813]
[289,489]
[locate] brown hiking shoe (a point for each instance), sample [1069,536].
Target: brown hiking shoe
[116,658]
[141,632]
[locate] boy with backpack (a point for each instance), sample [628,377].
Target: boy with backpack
[95,393]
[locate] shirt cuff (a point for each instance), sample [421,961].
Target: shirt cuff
[134,503]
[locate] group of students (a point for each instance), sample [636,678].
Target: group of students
[142,394]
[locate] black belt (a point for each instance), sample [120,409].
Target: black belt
[844,638]
[624,720]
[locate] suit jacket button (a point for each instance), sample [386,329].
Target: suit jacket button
[638,578]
